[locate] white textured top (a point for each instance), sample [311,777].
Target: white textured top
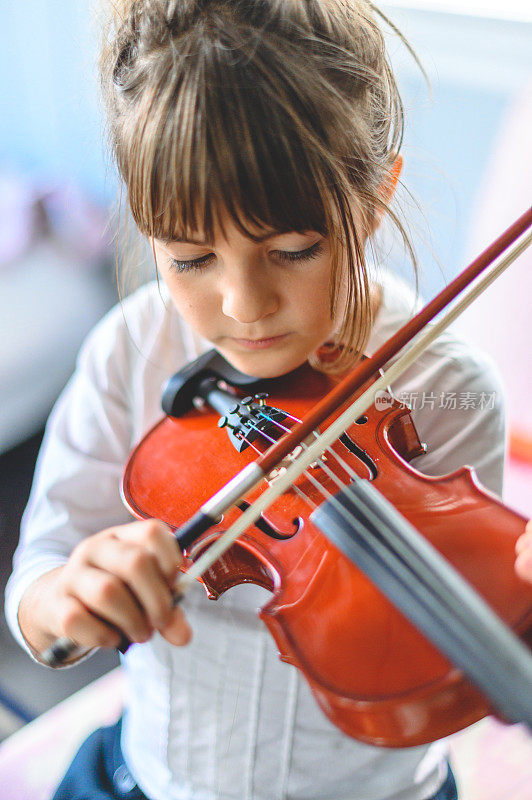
[223,718]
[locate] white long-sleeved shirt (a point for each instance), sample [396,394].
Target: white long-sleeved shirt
[223,718]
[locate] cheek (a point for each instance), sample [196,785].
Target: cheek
[196,311]
[312,300]
[194,303]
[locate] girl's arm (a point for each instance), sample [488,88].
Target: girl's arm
[82,568]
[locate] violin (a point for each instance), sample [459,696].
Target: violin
[372,672]
[376,675]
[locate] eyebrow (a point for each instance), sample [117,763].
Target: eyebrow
[190,240]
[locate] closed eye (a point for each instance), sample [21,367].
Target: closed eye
[284,256]
[289,256]
[196,263]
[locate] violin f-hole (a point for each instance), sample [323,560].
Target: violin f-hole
[361,454]
[264,526]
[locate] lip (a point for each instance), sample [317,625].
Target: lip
[260,344]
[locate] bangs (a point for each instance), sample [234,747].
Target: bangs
[199,147]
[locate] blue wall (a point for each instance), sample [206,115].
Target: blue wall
[49,97]
[447,146]
[476,67]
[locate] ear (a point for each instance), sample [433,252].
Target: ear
[387,189]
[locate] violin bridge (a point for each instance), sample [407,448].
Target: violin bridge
[276,473]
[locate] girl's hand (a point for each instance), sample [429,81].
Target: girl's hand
[523,548]
[118,581]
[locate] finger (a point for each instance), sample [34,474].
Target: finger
[524,541]
[177,631]
[523,565]
[107,597]
[79,624]
[158,539]
[139,570]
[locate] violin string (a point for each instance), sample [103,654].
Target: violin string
[265,435]
[345,466]
[253,447]
[276,422]
[305,497]
[321,461]
[296,488]
[349,470]
[303,446]
[285,429]
[393,568]
[322,490]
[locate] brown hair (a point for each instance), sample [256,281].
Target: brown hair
[277,112]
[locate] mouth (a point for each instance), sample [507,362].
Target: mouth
[260,344]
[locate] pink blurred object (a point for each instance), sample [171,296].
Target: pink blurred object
[493,761]
[32,211]
[77,221]
[34,759]
[518,489]
[17,217]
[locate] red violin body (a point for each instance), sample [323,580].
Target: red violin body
[371,671]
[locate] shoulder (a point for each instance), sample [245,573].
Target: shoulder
[455,393]
[141,331]
[138,314]
[450,358]
[131,353]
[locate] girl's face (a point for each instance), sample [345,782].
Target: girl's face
[263,305]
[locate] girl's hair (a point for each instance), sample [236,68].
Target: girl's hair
[283,114]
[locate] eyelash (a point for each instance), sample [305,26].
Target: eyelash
[285,256]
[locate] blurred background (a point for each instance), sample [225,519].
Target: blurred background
[467,165]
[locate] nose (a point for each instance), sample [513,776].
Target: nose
[249,295]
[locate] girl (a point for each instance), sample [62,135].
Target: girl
[258,142]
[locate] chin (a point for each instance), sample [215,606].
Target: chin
[264,365]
